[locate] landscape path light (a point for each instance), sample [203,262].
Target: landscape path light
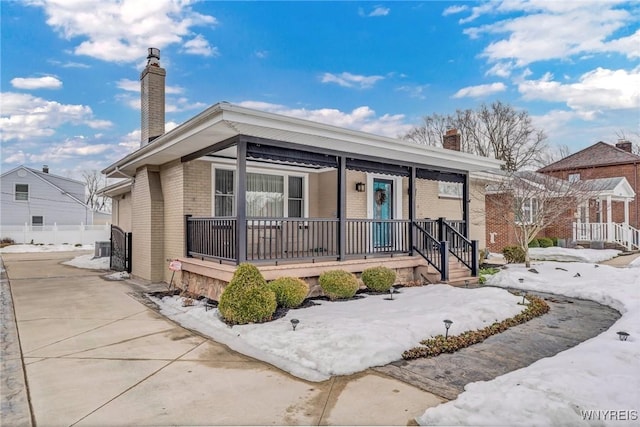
[391,291]
[294,323]
[623,335]
[447,325]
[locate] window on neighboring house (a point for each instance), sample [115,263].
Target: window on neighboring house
[22,192]
[526,211]
[224,193]
[574,177]
[450,189]
[267,195]
[37,220]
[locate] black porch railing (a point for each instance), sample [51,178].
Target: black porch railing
[280,239]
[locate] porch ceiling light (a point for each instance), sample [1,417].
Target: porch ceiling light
[360,187]
[447,325]
[294,323]
[623,335]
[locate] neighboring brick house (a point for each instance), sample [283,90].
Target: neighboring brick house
[293,196]
[602,160]
[613,172]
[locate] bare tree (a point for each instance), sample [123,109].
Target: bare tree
[94,181]
[497,130]
[531,201]
[552,155]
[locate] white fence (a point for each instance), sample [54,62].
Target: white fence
[56,234]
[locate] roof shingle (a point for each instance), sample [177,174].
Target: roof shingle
[599,154]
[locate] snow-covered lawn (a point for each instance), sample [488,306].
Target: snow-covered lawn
[601,374]
[14,249]
[572,255]
[344,337]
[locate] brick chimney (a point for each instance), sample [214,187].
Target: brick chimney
[451,140]
[45,169]
[625,145]
[152,98]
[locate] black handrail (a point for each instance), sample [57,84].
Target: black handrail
[434,252]
[465,250]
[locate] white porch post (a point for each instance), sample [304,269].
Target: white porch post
[609,221]
[626,211]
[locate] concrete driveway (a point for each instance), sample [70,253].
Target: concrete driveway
[95,355]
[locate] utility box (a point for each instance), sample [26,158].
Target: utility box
[102,249]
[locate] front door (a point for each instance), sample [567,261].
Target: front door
[382,210]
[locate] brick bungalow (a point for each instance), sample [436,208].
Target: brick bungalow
[292,196]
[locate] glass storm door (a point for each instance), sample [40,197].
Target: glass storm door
[382,210]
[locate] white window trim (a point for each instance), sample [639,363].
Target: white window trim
[277,172]
[15,192]
[397,196]
[530,219]
[450,196]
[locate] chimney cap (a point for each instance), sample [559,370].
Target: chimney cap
[45,168]
[153,56]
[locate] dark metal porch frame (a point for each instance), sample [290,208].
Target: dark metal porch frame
[249,147]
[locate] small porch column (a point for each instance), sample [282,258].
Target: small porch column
[412,208]
[626,211]
[610,235]
[342,207]
[241,202]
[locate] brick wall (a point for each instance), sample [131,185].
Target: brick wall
[630,171]
[152,103]
[172,177]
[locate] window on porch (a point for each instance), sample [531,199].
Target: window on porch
[268,195]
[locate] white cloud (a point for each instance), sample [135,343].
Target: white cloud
[73,148]
[30,83]
[25,116]
[377,11]
[361,118]
[501,69]
[115,30]
[350,80]
[415,91]
[480,90]
[554,30]
[262,54]
[200,46]
[452,10]
[595,90]
[182,104]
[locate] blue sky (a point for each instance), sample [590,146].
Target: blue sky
[70,69]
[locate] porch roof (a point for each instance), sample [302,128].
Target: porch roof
[223,121]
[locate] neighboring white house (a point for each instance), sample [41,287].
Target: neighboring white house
[38,198]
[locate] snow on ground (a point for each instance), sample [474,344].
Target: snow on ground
[88,261]
[600,374]
[14,249]
[344,337]
[572,255]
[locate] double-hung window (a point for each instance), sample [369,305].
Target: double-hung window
[526,211]
[22,192]
[269,195]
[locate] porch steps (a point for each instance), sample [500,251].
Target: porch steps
[458,274]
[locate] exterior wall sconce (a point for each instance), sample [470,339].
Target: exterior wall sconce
[360,187]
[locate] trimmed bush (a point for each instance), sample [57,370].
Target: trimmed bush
[513,254]
[555,241]
[545,242]
[338,284]
[378,279]
[247,299]
[289,291]
[534,243]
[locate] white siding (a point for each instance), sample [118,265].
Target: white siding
[44,200]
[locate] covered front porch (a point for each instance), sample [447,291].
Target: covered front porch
[605,218]
[265,190]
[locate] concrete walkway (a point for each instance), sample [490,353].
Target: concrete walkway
[94,355]
[568,323]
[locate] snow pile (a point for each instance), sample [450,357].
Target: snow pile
[344,337]
[572,255]
[601,374]
[118,275]
[14,249]
[88,261]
